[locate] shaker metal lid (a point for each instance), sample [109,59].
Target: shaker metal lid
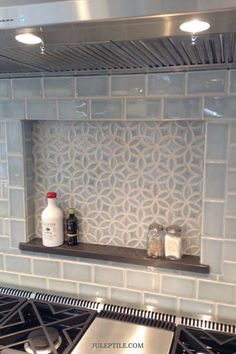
[174,229]
[156,226]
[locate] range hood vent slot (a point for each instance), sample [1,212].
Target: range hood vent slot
[130,56]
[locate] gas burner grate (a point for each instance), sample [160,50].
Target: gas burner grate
[190,340]
[92,305]
[137,316]
[40,317]
[8,305]
[211,325]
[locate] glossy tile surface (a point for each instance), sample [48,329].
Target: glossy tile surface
[166,84]
[143,108]
[59,87]
[128,85]
[214,81]
[217,135]
[92,86]
[182,108]
[107,109]
[27,88]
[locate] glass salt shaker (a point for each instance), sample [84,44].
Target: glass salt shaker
[155,241]
[173,242]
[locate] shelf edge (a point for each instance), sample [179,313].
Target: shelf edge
[117,254]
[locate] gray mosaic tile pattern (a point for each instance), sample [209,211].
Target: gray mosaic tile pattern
[122,176]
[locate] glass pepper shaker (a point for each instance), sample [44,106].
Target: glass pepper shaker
[155,241]
[173,242]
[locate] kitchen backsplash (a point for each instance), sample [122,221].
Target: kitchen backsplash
[121,177]
[140,148]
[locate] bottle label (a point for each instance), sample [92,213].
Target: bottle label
[72,226]
[49,230]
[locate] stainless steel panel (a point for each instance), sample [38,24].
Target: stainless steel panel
[39,13]
[104,332]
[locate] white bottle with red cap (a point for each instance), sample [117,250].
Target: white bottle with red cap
[52,223]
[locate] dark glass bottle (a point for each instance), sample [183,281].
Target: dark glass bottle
[72,228]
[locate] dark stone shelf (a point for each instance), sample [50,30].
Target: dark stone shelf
[117,254]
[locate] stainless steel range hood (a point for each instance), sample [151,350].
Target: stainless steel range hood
[87,37]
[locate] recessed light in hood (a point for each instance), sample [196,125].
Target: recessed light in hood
[28,38]
[194,26]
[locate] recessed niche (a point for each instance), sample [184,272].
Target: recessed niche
[120,177]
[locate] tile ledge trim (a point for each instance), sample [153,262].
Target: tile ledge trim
[117,254]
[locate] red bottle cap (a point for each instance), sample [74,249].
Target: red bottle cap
[51,195]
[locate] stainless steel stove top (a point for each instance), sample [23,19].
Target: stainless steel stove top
[64,325]
[117,337]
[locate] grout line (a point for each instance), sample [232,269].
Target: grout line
[186,84]
[26,109]
[226,191]
[77,288]
[125,109]
[231,216]
[125,279]
[178,304]
[228,194]
[11,90]
[4,262]
[203,187]
[216,309]
[42,87]
[146,82]
[214,200]
[109,292]
[230,262]
[109,86]
[213,238]
[197,289]
[92,274]
[228,81]
[89,109]
[217,162]
[142,298]
[75,87]
[202,107]
[161,109]
[57,110]
[32,266]
[60,269]
[160,283]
